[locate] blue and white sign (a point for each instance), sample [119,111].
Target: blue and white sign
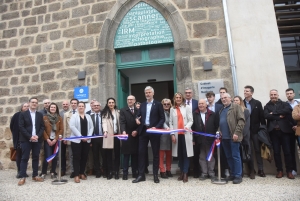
[81,93]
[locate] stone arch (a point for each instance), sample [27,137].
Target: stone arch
[107,60]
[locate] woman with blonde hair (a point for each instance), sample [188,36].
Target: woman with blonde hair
[165,143]
[246,135]
[181,117]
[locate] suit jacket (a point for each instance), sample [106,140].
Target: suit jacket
[25,126]
[76,127]
[108,126]
[157,115]
[279,108]
[14,128]
[48,128]
[43,111]
[128,124]
[186,112]
[211,126]
[194,105]
[256,115]
[94,122]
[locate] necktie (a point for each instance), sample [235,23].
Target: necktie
[132,111]
[188,102]
[73,111]
[97,125]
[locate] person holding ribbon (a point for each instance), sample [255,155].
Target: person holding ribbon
[53,128]
[246,135]
[111,144]
[165,143]
[205,121]
[181,118]
[81,125]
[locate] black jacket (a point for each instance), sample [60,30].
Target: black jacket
[211,126]
[277,109]
[25,126]
[14,128]
[128,124]
[256,116]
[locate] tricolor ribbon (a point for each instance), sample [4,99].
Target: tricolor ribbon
[56,149]
[217,141]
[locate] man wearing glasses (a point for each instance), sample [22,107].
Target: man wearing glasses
[31,126]
[46,103]
[189,99]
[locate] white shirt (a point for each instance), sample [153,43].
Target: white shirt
[33,114]
[52,135]
[203,117]
[212,107]
[293,104]
[115,122]
[149,106]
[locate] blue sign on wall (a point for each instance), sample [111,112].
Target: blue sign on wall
[81,93]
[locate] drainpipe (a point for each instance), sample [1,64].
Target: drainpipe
[230,46]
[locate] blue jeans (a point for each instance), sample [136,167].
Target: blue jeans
[232,153]
[48,151]
[26,148]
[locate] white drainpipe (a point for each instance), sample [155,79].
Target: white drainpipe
[231,53]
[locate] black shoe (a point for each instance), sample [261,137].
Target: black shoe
[146,171]
[230,178]
[196,175]
[109,176]
[125,177]
[237,180]
[261,173]
[203,177]
[72,175]
[116,176]
[163,175]
[156,180]
[139,179]
[98,175]
[169,174]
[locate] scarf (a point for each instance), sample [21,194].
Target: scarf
[53,118]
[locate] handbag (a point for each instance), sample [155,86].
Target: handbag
[245,153]
[13,154]
[266,153]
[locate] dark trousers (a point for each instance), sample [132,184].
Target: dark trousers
[48,151]
[97,148]
[184,161]
[80,155]
[250,163]
[143,146]
[257,146]
[112,163]
[35,147]
[223,160]
[280,139]
[18,158]
[293,151]
[63,157]
[195,158]
[134,163]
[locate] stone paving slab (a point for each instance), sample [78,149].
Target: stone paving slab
[268,188]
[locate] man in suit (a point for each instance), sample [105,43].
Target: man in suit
[188,95]
[91,111]
[280,128]
[97,143]
[65,108]
[256,119]
[67,131]
[31,127]
[46,103]
[150,115]
[130,146]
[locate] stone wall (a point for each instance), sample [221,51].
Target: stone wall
[45,43]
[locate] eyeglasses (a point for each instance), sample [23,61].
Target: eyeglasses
[167,104]
[188,92]
[34,102]
[97,105]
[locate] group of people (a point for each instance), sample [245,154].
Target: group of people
[238,122]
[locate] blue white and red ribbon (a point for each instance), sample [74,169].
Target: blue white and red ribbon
[56,149]
[217,141]
[120,136]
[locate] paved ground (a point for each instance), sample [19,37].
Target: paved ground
[268,188]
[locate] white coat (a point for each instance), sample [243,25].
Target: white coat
[187,115]
[76,129]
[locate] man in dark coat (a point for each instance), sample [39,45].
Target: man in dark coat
[130,146]
[205,121]
[278,115]
[256,119]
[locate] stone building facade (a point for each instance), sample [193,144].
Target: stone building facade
[45,43]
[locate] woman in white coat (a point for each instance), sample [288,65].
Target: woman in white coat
[81,124]
[181,117]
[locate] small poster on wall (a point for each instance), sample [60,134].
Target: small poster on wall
[205,86]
